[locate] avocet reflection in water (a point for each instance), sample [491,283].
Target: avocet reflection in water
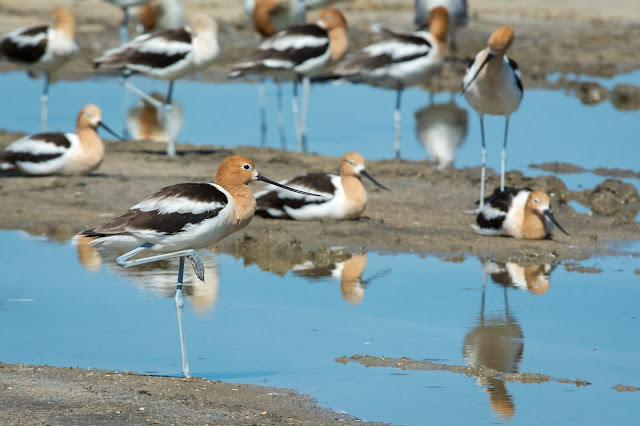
[285,330]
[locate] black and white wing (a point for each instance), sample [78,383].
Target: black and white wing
[26,45]
[273,202]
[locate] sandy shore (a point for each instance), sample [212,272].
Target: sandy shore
[589,36]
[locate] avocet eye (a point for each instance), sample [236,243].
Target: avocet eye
[246,167]
[535,200]
[352,163]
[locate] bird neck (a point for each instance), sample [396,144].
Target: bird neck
[339,43]
[533,224]
[355,196]
[262,17]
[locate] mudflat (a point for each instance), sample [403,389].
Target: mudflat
[423,211]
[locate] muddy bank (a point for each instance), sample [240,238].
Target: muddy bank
[51,395]
[423,212]
[479,371]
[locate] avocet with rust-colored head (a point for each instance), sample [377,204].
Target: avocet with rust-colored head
[51,153]
[401,60]
[520,213]
[492,85]
[182,218]
[42,48]
[345,197]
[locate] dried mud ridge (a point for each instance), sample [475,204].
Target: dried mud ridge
[53,395]
[470,370]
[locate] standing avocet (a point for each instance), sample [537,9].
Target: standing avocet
[458,16]
[520,213]
[167,55]
[492,85]
[269,17]
[159,15]
[50,153]
[42,48]
[182,218]
[399,61]
[126,6]
[297,53]
[345,196]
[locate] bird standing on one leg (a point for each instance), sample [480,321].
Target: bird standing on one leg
[492,85]
[42,48]
[182,218]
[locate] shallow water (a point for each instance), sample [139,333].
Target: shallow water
[551,125]
[245,325]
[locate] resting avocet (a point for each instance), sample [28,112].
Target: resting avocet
[297,53]
[182,218]
[458,16]
[520,213]
[492,85]
[345,196]
[399,61]
[50,153]
[42,49]
[167,55]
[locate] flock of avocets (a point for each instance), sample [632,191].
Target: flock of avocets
[180,218]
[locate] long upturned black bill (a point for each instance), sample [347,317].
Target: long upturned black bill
[272,182]
[104,126]
[368,176]
[487,59]
[549,214]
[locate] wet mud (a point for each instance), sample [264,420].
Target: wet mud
[479,371]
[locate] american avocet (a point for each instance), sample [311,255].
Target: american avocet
[50,153]
[345,196]
[401,60]
[492,85]
[520,213]
[167,55]
[158,15]
[126,7]
[441,129]
[269,17]
[182,218]
[458,16]
[297,53]
[145,122]
[42,48]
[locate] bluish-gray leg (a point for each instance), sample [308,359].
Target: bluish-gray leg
[397,120]
[504,154]
[198,268]
[44,102]
[263,114]
[283,134]
[484,162]
[179,307]
[296,114]
[306,88]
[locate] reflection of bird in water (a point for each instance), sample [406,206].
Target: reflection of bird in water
[145,122]
[458,16]
[441,128]
[159,277]
[532,278]
[495,342]
[348,272]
